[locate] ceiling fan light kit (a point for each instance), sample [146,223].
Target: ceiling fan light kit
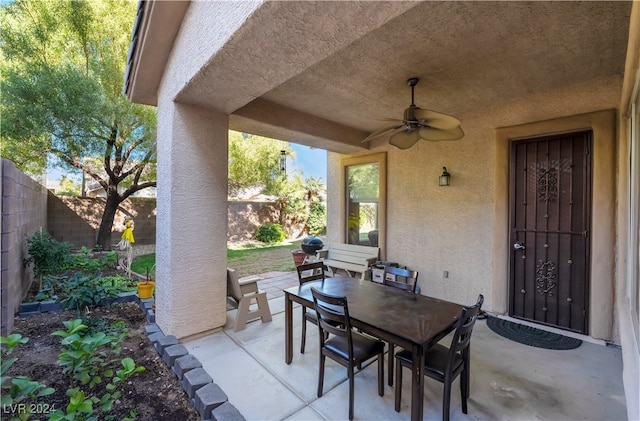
[419,124]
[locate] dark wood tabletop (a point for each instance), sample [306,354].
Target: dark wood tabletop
[410,317]
[412,321]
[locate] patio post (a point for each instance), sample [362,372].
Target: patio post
[191,234]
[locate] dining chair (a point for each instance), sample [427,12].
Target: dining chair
[306,273]
[340,343]
[445,364]
[406,280]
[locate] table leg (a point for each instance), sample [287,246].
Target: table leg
[288,329]
[417,384]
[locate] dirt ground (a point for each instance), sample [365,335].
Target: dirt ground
[153,394]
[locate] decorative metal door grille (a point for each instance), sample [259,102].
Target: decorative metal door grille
[550,222]
[545,278]
[548,185]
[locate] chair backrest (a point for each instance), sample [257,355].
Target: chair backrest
[233,286]
[464,328]
[311,272]
[333,316]
[410,278]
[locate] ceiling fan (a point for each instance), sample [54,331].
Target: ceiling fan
[419,124]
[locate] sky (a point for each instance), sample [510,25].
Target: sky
[312,162]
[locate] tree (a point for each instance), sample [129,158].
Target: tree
[62,66]
[297,196]
[254,163]
[68,187]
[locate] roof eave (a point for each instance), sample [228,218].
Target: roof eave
[154,32]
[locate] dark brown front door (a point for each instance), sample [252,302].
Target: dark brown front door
[550,220]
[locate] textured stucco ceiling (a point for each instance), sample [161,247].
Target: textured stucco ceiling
[314,71]
[467,54]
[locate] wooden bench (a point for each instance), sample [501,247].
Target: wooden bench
[349,257]
[241,293]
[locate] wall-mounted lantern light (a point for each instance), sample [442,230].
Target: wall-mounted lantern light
[445,178]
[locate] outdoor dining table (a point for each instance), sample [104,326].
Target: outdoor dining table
[412,321]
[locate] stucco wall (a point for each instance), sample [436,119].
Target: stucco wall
[24,205]
[192,223]
[435,229]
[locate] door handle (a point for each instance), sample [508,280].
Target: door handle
[519,246]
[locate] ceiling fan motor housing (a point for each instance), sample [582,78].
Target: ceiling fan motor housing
[410,117]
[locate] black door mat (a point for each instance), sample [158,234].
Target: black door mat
[531,336]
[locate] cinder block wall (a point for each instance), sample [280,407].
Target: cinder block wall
[24,211]
[245,216]
[77,219]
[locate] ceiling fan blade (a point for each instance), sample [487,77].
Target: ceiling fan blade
[389,119]
[404,139]
[432,134]
[437,120]
[382,132]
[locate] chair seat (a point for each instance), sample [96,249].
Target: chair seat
[435,361]
[363,347]
[311,316]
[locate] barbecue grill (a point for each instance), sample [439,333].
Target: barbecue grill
[311,245]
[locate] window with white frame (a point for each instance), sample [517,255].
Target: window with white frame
[365,194]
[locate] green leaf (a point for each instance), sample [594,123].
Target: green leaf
[13,340]
[5,400]
[76,396]
[6,366]
[46,391]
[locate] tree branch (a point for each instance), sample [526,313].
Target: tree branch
[137,187]
[133,146]
[140,165]
[107,153]
[75,162]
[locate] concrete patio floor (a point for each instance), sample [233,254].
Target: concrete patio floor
[509,381]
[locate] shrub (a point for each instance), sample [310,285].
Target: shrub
[86,357]
[317,222]
[82,292]
[270,233]
[87,260]
[48,255]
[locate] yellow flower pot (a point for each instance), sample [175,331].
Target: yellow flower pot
[145,289]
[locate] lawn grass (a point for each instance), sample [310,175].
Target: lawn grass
[247,260]
[141,263]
